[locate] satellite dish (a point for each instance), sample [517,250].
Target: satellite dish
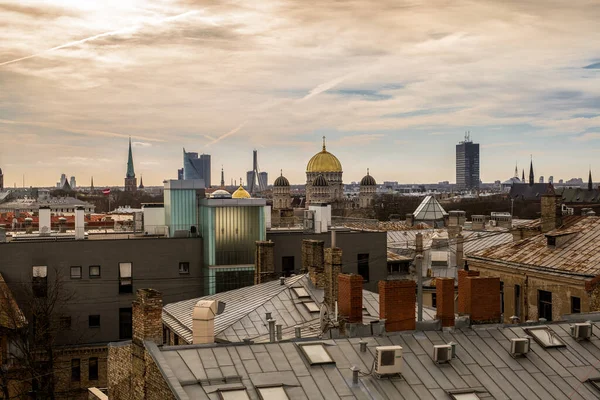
[324,317]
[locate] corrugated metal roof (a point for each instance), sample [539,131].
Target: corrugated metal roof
[483,364]
[580,255]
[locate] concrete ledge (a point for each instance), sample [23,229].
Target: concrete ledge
[96,394]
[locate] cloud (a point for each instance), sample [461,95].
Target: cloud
[593,66]
[77,160]
[502,144]
[141,144]
[146,163]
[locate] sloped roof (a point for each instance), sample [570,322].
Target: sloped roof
[483,364]
[245,309]
[525,191]
[579,256]
[429,210]
[579,195]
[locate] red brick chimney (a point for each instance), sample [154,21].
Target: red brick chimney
[463,305]
[483,297]
[350,297]
[147,316]
[397,301]
[333,267]
[444,289]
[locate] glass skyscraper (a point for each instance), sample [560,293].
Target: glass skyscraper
[195,167]
[467,165]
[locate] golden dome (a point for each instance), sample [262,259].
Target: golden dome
[240,193]
[324,161]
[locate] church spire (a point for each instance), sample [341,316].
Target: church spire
[531,177]
[222,178]
[590,183]
[516,171]
[141,182]
[324,149]
[130,170]
[92,185]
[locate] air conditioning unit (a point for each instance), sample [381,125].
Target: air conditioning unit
[388,360]
[442,353]
[582,331]
[519,346]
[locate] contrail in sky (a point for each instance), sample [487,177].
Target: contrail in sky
[100,36]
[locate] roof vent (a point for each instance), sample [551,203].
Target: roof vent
[388,360]
[581,331]
[519,346]
[442,353]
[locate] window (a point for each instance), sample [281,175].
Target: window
[125,323]
[312,307]
[518,300]
[545,305]
[272,393]
[75,370]
[165,335]
[175,340]
[363,266]
[316,353]
[300,292]
[93,369]
[545,337]
[125,283]
[287,265]
[94,321]
[75,272]
[184,267]
[229,280]
[434,300]
[575,305]
[233,394]
[464,396]
[39,284]
[94,271]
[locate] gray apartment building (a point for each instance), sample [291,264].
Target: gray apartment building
[467,164]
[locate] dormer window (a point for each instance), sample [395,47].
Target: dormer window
[551,241]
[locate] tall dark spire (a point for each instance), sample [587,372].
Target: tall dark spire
[590,183]
[141,182]
[516,171]
[222,178]
[92,186]
[523,176]
[130,170]
[531,177]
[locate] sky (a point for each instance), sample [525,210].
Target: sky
[392,84]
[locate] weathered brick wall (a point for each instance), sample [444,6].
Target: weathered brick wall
[119,371]
[551,216]
[156,386]
[333,267]
[444,288]
[483,297]
[350,296]
[313,261]
[463,305]
[397,301]
[147,316]
[264,264]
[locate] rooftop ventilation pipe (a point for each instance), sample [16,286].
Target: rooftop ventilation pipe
[203,320]
[79,224]
[271,330]
[44,225]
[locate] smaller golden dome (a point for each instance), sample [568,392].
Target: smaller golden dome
[240,193]
[324,161]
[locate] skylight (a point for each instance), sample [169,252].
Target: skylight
[272,393]
[233,394]
[312,307]
[595,383]
[465,396]
[300,292]
[545,337]
[316,353]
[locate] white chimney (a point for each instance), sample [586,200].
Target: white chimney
[203,320]
[44,224]
[79,224]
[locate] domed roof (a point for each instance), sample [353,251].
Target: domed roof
[220,194]
[240,193]
[324,161]
[281,181]
[368,180]
[320,181]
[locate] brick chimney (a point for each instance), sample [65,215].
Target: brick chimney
[147,316]
[483,298]
[313,260]
[444,289]
[333,267]
[350,297]
[460,252]
[419,243]
[463,304]
[397,300]
[551,216]
[264,264]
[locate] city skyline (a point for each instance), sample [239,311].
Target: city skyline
[393,92]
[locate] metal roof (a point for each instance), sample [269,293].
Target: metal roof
[245,309]
[483,364]
[429,210]
[580,255]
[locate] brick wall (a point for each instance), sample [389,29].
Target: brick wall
[483,296]
[147,316]
[156,386]
[444,289]
[333,267]
[313,261]
[350,296]
[62,361]
[551,215]
[462,279]
[119,371]
[264,264]
[397,301]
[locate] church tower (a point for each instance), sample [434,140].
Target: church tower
[281,193]
[367,191]
[130,179]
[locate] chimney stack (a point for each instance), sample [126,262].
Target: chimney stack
[147,316]
[410,219]
[551,216]
[264,264]
[313,261]
[419,243]
[460,252]
[482,295]
[333,267]
[463,304]
[79,224]
[350,297]
[444,289]
[203,321]
[397,301]
[44,223]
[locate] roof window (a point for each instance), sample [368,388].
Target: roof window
[316,353]
[233,394]
[545,337]
[465,396]
[300,292]
[311,306]
[272,393]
